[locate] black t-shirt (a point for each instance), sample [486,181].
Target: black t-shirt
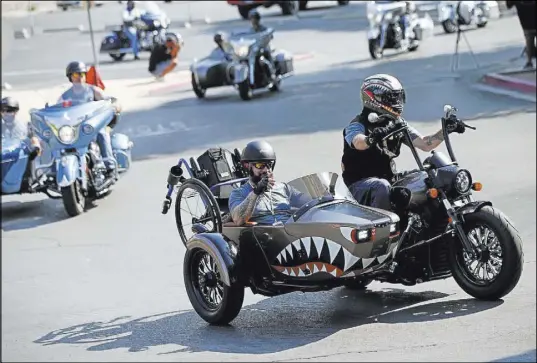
[158,54]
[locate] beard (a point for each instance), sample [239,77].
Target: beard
[256,178]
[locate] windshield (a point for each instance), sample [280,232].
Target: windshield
[319,185]
[57,115]
[148,7]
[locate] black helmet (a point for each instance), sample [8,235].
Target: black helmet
[259,151]
[254,14]
[75,67]
[383,94]
[218,37]
[10,104]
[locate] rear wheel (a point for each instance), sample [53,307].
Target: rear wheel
[73,199]
[449,26]
[497,266]
[214,302]
[117,57]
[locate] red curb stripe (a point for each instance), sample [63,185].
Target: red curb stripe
[510,83]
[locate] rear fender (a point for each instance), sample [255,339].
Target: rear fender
[110,42]
[446,11]
[68,170]
[220,250]
[473,207]
[121,145]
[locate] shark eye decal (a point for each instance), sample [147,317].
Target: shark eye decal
[346,232]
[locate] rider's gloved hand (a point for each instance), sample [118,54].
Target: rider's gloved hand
[262,186]
[454,125]
[377,135]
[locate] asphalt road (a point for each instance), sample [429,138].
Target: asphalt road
[108,285]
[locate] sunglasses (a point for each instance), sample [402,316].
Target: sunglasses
[78,74]
[262,165]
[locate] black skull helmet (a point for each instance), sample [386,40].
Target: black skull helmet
[383,94]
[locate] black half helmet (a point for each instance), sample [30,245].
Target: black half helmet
[75,67]
[259,150]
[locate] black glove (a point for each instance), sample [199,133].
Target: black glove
[454,125]
[377,135]
[262,186]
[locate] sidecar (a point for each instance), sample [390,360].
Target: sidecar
[328,241]
[237,65]
[16,166]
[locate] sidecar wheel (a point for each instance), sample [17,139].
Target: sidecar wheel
[357,284]
[214,302]
[497,268]
[73,199]
[199,91]
[245,91]
[208,215]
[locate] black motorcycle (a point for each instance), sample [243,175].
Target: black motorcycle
[445,231]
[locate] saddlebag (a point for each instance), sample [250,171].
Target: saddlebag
[283,61]
[218,165]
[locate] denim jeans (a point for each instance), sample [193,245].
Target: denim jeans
[131,33]
[373,192]
[105,144]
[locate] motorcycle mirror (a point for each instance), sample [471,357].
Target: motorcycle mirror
[373,117]
[447,108]
[174,176]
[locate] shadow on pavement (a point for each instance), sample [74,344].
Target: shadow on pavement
[315,102]
[272,325]
[17,215]
[529,356]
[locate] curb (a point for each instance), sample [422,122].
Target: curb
[510,83]
[505,92]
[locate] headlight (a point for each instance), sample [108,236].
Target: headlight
[463,181]
[242,51]
[66,134]
[393,227]
[156,23]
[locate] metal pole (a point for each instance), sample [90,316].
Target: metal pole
[95,61]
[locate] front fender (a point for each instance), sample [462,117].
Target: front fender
[446,12]
[472,207]
[68,170]
[220,250]
[240,72]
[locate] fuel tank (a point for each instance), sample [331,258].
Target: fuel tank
[415,182]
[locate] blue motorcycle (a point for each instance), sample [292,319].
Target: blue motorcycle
[77,170]
[151,30]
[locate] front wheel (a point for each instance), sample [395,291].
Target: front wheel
[374,49]
[449,26]
[290,7]
[73,199]
[245,91]
[343,2]
[199,91]
[117,57]
[214,302]
[497,266]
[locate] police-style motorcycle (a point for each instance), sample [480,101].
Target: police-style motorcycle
[77,172]
[151,30]
[386,30]
[452,14]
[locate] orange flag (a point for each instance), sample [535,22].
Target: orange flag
[93,77]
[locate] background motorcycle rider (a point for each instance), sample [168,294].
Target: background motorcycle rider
[250,202]
[81,92]
[14,128]
[130,15]
[257,27]
[410,9]
[366,170]
[164,57]
[223,46]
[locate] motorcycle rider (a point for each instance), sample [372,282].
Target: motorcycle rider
[410,9]
[14,128]
[366,170]
[130,15]
[223,46]
[255,20]
[164,57]
[82,92]
[251,202]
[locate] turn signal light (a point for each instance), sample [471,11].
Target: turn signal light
[477,186]
[432,193]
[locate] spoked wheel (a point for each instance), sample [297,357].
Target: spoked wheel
[195,204]
[214,302]
[495,269]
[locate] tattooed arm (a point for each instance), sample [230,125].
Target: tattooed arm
[428,143]
[241,208]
